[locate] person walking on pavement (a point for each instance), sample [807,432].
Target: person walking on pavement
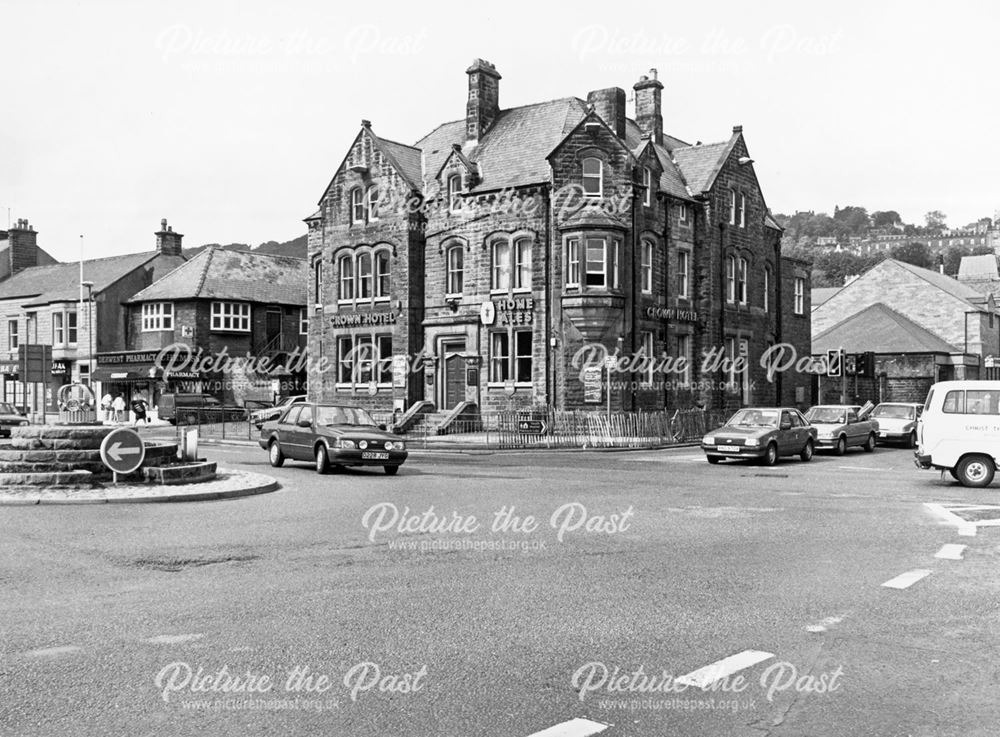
[106,406]
[119,407]
[139,409]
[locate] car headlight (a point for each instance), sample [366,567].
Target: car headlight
[752,441]
[362,444]
[398,445]
[388,445]
[346,444]
[708,440]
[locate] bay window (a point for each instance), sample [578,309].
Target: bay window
[573,262]
[601,263]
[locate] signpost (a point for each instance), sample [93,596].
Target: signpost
[123,451]
[531,427]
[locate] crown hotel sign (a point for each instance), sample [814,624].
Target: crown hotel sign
[353,319]
[672,313]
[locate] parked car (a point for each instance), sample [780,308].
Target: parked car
[897,422]
[764,433]
[260,416]
[842,426]
[331,435]
[192,409]
[959,431]
[10,417]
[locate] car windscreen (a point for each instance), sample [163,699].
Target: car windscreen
[893,412]
[754,418]
[831,415]
[343,416]
[7,409]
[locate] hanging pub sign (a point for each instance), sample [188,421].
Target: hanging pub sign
[360,319]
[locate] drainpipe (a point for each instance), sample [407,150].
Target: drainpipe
[778,326]
[550,369]
[723,297]
[635,296]
[666,282]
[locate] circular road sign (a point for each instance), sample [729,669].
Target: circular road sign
[123,451]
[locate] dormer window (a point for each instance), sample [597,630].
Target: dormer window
[357,206]
[593,177]
[647,183]
[455,192]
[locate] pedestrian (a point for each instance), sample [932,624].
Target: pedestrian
[139,408]
[119,408]
[106,406]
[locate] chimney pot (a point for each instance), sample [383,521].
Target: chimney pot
[163,224]
[737,129]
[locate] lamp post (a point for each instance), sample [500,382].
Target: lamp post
[90,331]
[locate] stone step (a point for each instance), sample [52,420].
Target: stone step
[48,455]
[20,467]
[52,478]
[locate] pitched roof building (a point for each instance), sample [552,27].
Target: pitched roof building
[477,268]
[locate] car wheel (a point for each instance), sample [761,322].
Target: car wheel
[870,443]
[911,442]
[713,459]
[391,470]
[322,460]
[770,455]
[976,471]
[274,454]
[954,474]
[841,446]
[807,452]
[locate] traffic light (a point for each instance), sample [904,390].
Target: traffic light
[866,364]
[850,364]
[833,363]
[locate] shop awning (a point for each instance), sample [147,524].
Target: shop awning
[149,373]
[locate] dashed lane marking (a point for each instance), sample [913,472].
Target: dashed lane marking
[905,580]
[824,624]
[722,668]
[173,639]
[48,652]
[951,551]
[861,468]
[578,727]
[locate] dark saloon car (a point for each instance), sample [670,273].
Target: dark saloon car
[764,433]
[331,435]
[10,417]
[260,416]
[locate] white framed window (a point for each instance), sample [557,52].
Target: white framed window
[365,276]
[646,266]
[157,316]
[593,177]
[456,270]
[345,265]
[732,207]
[371,204]
[231,316]
[500,265]
[647,183]
[683,374]
[13,336]
[573,262]
[741,280]
[382,274]
[507,364]
[455,192]
[601,263]
[800,295]
[767,288]
[682,213]
[522,264]
[683,274]
[646,344]
[743,210]
[357,206]
[731,279]
[58,333]
[303,321]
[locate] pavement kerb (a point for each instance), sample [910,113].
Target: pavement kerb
[267,488]
[459,448]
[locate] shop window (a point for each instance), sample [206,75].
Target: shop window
[345,359]
[384,343]
[231,316]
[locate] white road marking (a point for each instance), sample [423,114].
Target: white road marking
[905,580]
[573,728]
[173,639]
[667,459]
[46,652]
[861,468]
[824,624]
[965,528]
[726,667]
[950,551]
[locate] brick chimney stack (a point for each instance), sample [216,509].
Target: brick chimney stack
[23,248]
[609,103]
[484,99]
[648,111]
[168,242]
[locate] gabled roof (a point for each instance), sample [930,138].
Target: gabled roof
[978,267]
[216,273]
[61,282]
[945,283]
[404,159]
[819,295]
[700,164]
[456,153]
[880,329]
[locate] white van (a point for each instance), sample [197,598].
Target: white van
[960,430]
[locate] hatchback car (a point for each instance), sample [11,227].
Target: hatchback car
[841,426]
[331,435]
[10,417]
[764,433]
[897,422]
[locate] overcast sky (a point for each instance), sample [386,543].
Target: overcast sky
[229,118]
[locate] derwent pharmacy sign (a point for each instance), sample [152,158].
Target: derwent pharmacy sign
[672,313]
[360,319]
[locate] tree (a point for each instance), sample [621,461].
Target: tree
[886,219]
[935,220]
[916,253]
[854,220]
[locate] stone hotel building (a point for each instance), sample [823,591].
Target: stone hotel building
[499,259]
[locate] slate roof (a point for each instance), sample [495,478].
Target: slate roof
[405,159]
[819,295]
[978,267]
[701,163]
[217,273]
[880,329]
[945,283]
[61,282]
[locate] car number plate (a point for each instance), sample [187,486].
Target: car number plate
[373,456]
[729,448]
[883,433]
